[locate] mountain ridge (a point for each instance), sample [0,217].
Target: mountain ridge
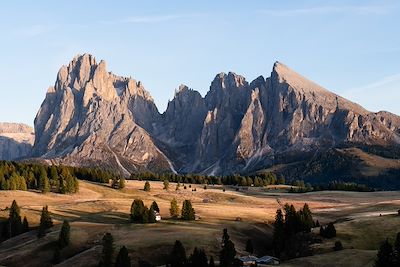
[91,116]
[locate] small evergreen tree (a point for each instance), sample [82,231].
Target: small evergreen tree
[188,212]
[146,186]
[178,255]
[108,250]
[385,255]
[45,222]
[44,184]
[64,237]
[249,246]
[279,233]
[123,259]
[166,184]
[174,210]
[198,258]
[155,207]
[14,220]
[151,216]
[121,183]
[137,211]
[228,252]
[25,225]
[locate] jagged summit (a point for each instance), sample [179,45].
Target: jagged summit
[93,117]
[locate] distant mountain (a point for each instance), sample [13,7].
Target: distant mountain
[93,117]
[16,140]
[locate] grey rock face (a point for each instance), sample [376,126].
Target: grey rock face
[92,117]
[16,140]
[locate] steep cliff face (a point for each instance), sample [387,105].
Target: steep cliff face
[90,117]
[16,140]
[93,117]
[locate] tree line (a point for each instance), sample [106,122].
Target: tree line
[262,179]
[301,187]
[23,176]
[177,257]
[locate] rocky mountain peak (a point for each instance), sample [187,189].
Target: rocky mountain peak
[16,140]
[92,116]
[230,80]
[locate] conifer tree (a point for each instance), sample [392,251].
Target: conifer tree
[188,212]
[198,258]
[64,237]
[146,186]
[138,211]
[155,207]
[174,210]
[178,255]
[385,255]
[45,222]
[279,233]
[166,184]
[151,215]
[108,250]
[121,182]
[228,252]
[44,184]
[123,259]
[14,220]
[306,218]
[25,225]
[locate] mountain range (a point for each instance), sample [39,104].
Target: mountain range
[284,123]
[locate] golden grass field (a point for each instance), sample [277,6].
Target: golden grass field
[97,209]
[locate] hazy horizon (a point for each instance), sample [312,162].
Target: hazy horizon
[348,47]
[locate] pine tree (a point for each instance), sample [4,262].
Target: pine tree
[166,184]
[385,255]
[306,218]
[25,225]
[198,258]
[228,252]
[279,233]
[121,184]
[44,184]
[155,207]
[14,220]
[123,259]
[146,186]
[249,246]
[178,255]
[45,222]
[151,215]
[53,173]
[108,250]
[138,211]
[174,210]
[64,237]
[188,212]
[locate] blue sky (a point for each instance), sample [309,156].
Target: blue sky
[349,47]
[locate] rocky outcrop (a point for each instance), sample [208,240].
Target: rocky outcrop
[90,118]
[93,117]
[16,140]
